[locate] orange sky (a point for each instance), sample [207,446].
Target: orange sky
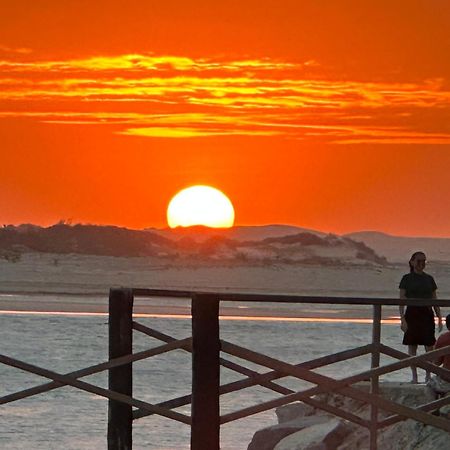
[332,115]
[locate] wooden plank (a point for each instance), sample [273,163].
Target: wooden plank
[205,428]
[173,293]
[339,412]
[406,362]
[112,395]
[374,383]
[278,298]
[313,364]
[223,361]
[436,404]
[327,384]
[120,415]
[261,378]
[389,351]
[181,401]
[265,406]
[39,389]
[168,404]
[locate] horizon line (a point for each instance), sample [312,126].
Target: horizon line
[70,223]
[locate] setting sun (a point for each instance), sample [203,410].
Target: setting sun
[200,205]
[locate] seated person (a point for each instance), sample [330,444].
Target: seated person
[439,384]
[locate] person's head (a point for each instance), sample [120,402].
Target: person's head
[447,321]
[417,262]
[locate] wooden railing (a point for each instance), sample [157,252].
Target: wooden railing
[206,348]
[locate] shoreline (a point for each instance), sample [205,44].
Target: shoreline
[188,316]
[95,305]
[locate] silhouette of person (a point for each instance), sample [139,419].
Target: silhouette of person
[417,322]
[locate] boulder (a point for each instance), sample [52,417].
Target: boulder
[268,438]
[323,436]
[407,435]
[445,411]
[294,410]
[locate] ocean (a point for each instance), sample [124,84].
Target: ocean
[67,418]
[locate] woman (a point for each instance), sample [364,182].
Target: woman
[418,321]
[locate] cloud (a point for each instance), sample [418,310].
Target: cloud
[178,97]
[179,132]
[18,50]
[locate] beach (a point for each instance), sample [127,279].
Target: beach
[53,313]
[81,283]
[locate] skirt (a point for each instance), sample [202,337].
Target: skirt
[420,321]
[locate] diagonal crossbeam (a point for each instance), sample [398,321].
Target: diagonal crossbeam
[307,365]
[256,377]
[95,369]
[31,368]
[224,362]
[249,382]
[432,406]
[326,384]
[389,351]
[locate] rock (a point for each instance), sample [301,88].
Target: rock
[406,393]
[268,438]
[445,411]
[407,435]
[292,411]
[322,436]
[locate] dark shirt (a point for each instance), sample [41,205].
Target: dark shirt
[418,285]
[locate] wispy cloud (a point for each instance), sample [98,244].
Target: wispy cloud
[18,50]
[179,97]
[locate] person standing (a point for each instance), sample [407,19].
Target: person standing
[417,322]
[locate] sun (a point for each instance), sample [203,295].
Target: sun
[200,205]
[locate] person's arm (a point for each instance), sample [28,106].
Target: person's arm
[437,311]
[401,309]
[439,361]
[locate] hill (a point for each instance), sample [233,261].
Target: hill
[238,233]
[196,245]
[400,248]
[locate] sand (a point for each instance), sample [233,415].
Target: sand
[80,283]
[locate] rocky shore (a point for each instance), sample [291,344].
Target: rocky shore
[302,427]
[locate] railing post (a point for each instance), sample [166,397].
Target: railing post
[120,417]
[205,428]
[375,388]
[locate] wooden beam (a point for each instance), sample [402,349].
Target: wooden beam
[205,429]
[112,395]
[432,406]
[374,383]
[262,378]
[312,364]
[329,384]
[120,415]
[438,370]
[223,362]
[287,298]
[45,387]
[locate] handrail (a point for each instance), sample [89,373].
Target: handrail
[289,298]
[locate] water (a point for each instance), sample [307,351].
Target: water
[72,419]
